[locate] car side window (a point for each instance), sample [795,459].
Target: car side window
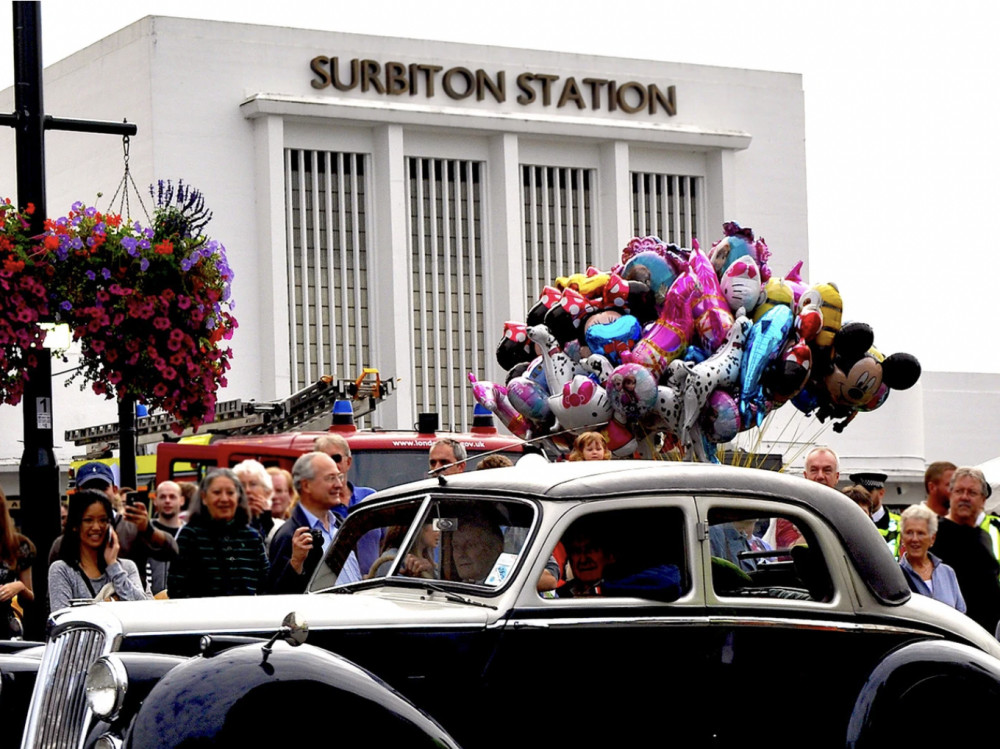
[755,556]
[637,552]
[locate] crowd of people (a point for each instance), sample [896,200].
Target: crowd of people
[948,546]
[252,530]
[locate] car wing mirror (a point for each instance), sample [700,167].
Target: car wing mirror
[294,630]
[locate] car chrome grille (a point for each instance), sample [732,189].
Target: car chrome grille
[59,716]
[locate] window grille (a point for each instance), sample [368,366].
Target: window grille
[558,224]
[667,206]
[326,203]
[445,223]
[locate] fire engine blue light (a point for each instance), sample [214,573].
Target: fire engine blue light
[343,407]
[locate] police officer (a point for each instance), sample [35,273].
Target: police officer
[887,522]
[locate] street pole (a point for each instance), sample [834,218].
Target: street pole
[39,472]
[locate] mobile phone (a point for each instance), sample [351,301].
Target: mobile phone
[135,498]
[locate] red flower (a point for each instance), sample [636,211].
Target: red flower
[164,248]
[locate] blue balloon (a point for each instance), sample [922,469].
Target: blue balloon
[763,345]
[611,338]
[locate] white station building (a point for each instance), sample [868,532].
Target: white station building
[389,203]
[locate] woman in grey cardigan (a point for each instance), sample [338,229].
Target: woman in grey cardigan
[925,573]
[88,555]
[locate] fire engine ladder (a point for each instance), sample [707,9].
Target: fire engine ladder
[236,417]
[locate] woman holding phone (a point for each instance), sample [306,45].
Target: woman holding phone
[88,556]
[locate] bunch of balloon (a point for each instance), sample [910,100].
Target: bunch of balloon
[675,348]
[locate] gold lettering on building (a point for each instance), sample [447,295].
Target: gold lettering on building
[394,78]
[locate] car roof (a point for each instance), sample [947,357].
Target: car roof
[597,480]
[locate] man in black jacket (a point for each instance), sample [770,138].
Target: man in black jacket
[293,554]
[965,546]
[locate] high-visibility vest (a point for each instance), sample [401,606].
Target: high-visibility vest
[991,524]
[893,533]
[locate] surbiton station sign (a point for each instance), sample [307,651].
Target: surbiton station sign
[429,80]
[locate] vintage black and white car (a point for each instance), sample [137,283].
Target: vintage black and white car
[670,633]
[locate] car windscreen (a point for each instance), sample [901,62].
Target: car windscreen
[467,541]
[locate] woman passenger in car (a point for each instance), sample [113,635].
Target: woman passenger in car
[220,554]
[88,555]
[419,562]
[925,573]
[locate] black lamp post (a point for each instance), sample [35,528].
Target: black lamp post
[39,471]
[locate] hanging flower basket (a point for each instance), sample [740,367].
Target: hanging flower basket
[23,300]
[151,306]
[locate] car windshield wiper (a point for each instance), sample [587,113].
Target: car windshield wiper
[348,587]
[455,596]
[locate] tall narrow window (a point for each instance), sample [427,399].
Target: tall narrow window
[445,199]
[325,197]
[667,206]
[558,216]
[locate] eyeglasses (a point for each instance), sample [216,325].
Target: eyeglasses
[336,457]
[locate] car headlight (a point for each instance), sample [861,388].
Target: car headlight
[106,684]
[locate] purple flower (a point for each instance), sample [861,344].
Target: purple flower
[77,206]
[90,212]
[105,274]
[144,264]
[90,275]
[66,306]
[129,243]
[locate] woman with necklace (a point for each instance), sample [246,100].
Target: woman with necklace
[88,556]
[925,573]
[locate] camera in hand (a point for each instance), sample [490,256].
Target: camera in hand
[317,537]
